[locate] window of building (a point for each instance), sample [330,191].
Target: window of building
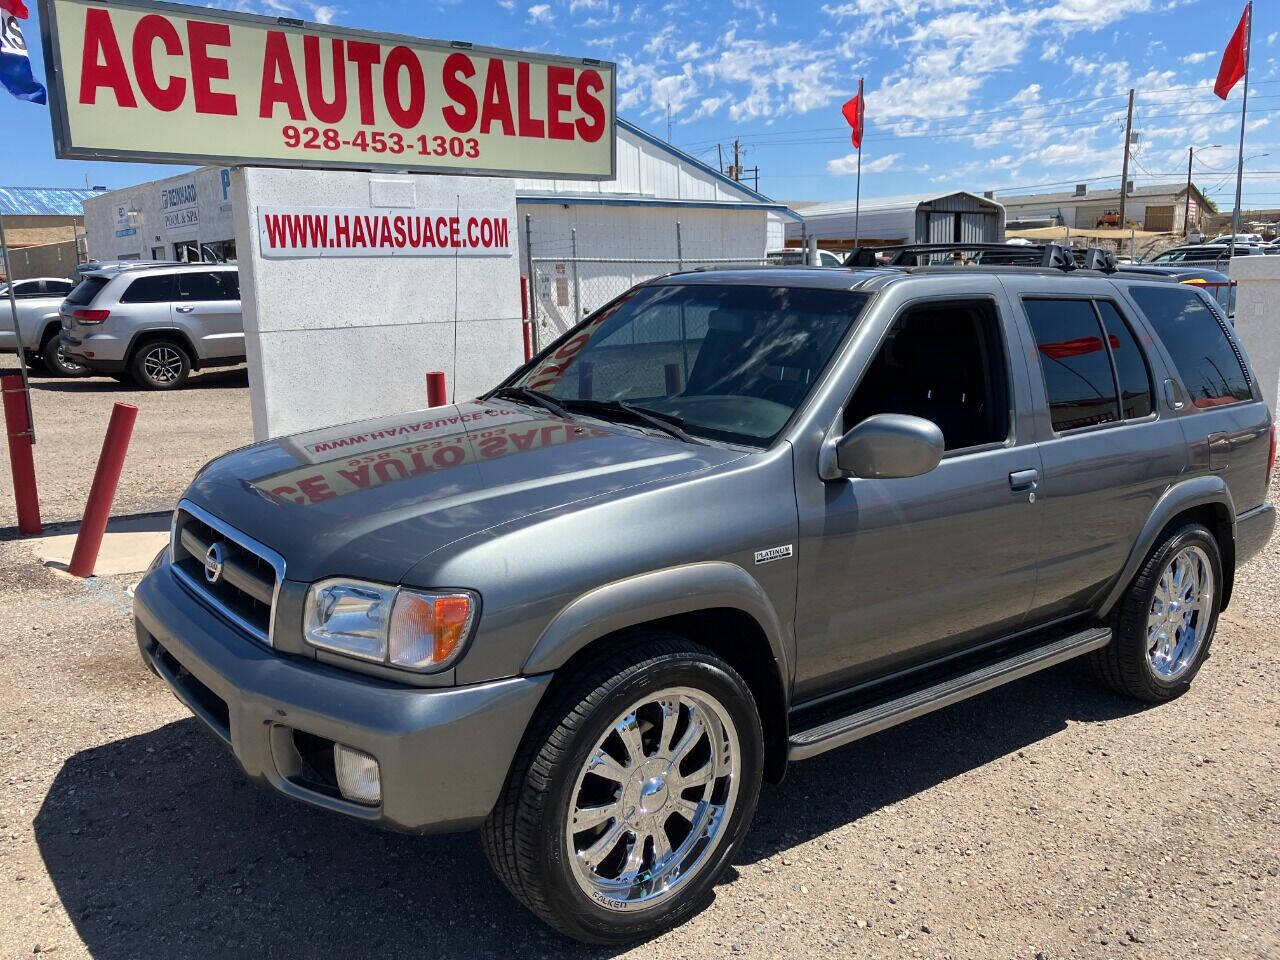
[150,289]
[944,362]
[1208,364]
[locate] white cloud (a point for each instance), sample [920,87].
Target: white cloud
[540,13]
[1198,57]
[325,14]
[507,5]
[847,166]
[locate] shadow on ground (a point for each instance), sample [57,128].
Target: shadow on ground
[158,847]
[212,379]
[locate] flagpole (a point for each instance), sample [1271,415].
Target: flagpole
[1244,110]
[857,196]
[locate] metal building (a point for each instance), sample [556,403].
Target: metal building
[952,217]
[44,227]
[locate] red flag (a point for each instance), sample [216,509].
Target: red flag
[854,112]
[1235,58]
[16,7]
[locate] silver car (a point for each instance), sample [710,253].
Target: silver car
[155,324]
[38,300]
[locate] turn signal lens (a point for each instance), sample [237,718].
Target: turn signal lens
[359,778]
[1271,455]
[428,630]
[91,316]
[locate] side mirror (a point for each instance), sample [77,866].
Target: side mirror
[890,446]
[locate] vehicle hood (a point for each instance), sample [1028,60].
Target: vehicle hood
[371,499]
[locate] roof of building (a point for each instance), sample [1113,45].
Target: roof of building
[1098,196]
[44,201]
[882,204]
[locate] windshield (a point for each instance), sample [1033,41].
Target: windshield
[730,362]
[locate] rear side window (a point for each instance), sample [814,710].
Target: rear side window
[56,287]
[1131,366]
[1209,366]
[207,286]
[85,291]
[152,289]
[1074,358]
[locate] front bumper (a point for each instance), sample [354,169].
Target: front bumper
[444,753]
[1253,530]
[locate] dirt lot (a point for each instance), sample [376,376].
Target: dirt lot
[1047,818]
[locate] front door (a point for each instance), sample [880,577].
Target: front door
[903,571]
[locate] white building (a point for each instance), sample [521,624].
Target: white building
[622,230]
[948,218]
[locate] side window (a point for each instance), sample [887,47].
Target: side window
[1209,366]
[26,289]
[57,287]
[1131,366]
[150,289]
[206,286]
[1077,372]
[232,279]
[944,362]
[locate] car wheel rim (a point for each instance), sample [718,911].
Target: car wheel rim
[1181,609]
[70,366]
[162,365]
[653,799]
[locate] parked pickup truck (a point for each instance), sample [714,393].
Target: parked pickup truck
[732,520]
[38,300]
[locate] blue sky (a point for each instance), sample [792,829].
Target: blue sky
[1012,95]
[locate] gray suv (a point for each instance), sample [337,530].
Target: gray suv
[732,520]
[155,324]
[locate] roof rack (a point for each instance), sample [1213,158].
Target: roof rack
[1051,255]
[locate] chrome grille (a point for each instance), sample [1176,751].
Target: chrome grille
[248,575]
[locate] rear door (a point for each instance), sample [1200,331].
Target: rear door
[208,307]
[1108,449]
[1221,411]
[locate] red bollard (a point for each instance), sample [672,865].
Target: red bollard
[20,459]
[437,394]
[528,341]
[672,372]
[103,492]
[524,297]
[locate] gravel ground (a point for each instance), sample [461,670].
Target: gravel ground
[1047,818]
[175,434]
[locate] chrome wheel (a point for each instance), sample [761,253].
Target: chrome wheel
[162,364]
[1180,613]
[653,798]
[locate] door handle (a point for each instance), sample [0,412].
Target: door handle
[1024,480]
[185,309]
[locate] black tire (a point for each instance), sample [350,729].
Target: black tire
[57,363]
[525,837]
[160,365]
[1123,664]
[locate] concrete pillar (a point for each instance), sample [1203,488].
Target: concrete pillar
[1257,318]
[811,251]
[333,339]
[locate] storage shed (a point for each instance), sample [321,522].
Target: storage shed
[953,217]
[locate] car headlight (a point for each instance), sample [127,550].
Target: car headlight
[397,627]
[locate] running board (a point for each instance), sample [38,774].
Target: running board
[836,733]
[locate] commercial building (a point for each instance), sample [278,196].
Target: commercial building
[584,241]
[1158,207]
[946,218]
[44,228]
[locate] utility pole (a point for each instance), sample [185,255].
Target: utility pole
[1124,174]
[737,163]
[1186,216]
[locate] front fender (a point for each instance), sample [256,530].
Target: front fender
[1208,490]
[652,596]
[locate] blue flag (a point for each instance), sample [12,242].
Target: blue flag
[15,64]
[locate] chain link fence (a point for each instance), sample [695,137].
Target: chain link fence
[566,287]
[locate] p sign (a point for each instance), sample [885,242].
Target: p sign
[141,80]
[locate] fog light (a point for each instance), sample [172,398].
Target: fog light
[358,776]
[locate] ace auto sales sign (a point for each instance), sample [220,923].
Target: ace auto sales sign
[162,82]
